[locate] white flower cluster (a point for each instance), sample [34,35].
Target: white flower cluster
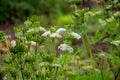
[5,78]
[93,13]
[13,43]
[102,22]
[110,19]
[53,35]
[42,29]
[65,47]
[61,30]
[116,43]
[18,35]
[33,43]
[89,13]
[31,30]
[7,36]
[46,33]
[56,65]
[37,29]
[99,12]
[75,35]
[27,23]
[117,13]
[59,33]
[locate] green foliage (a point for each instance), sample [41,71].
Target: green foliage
[2,34]
[18,10]
[65,20]
[48,54]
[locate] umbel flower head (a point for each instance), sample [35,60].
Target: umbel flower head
[33,43]
[59,33]
[116,43]
[75,35]
[61,30]
[102,22]
[117,13]
[65,47]
[13,43]
[110,19]
[47,33]
[42,29]
[36,29]
[53,35]
[30,30]
[27,23]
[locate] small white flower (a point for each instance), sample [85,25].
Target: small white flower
[110,19]
[27,23]
[13,43]
[88,13]
[93,14]
[117,13]
[75,35]
[5,78]
[47,33]
[53,35]
[7,36]
[61,30]
[65,47]
[33,43]
[29,53]
[102,22]
[102,54]
[36,29]
[56,65]
[42,29]
[115,1]
[30,30]
[98,12]
[27,42]
[116,43]
[19,34]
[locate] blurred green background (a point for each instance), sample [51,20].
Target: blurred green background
[16,11]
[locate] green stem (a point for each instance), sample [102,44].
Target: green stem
[64,59]
[84,44]
[36,47]
[22,75]
[21,66]
[117,74]
[102,75]
[54,47]
[56,71]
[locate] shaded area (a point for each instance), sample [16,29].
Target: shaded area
[8,29]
